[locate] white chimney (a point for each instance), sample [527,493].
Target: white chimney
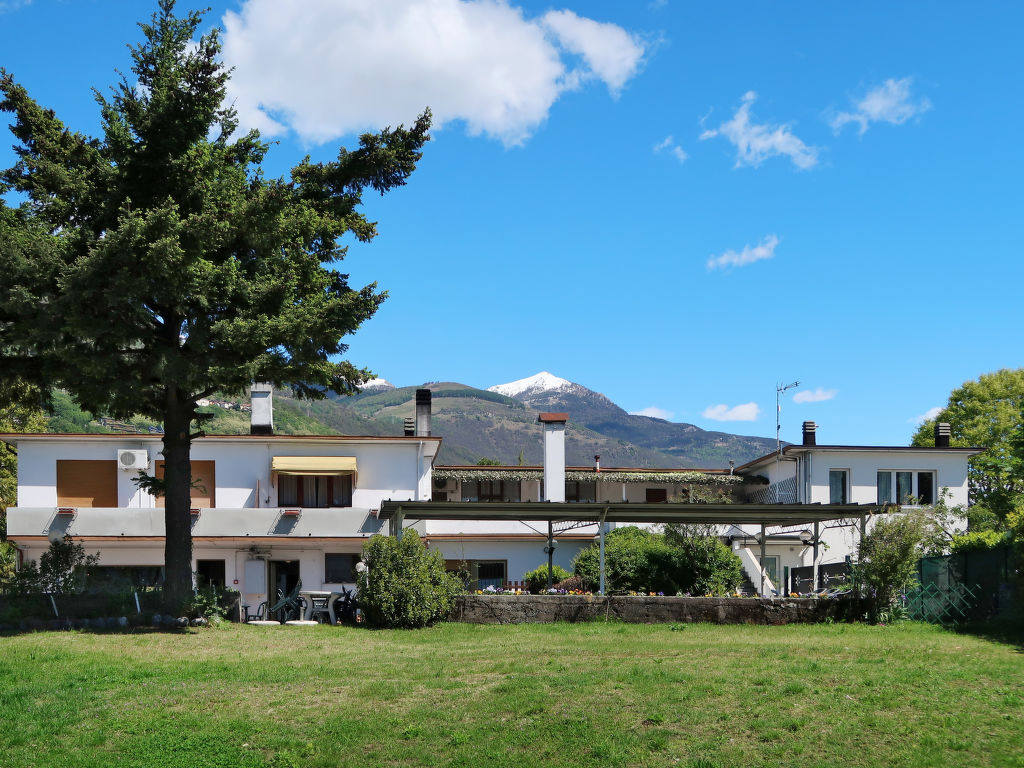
[554,455]
[262,419]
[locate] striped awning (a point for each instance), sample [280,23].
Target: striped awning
[313,465]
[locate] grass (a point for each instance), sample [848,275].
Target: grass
[696,696]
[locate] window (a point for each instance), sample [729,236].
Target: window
[339,568]
[210,573]
[490,490]
[479,574]
[314,490]
[580,490]
[204,483]
[908,486]
[489,573]
[87,483]
[656,495]
[837,486]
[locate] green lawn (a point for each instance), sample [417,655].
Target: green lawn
[534,695]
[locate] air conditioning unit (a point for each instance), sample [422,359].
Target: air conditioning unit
[137,460]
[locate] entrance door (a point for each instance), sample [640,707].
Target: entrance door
[283,575]
[771,567]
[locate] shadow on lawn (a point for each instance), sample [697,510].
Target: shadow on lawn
[1005,631]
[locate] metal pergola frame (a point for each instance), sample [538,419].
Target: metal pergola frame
[396,512]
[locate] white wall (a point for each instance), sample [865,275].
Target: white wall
[863,466]
[521,556]
[391,469]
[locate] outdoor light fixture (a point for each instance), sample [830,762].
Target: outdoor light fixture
[361,567]
[806,537]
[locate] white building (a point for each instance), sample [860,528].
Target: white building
[270,510]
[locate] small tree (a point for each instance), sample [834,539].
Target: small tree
[62,569]
[405,585]
[887,557]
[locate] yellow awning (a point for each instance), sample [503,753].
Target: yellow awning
[313,465]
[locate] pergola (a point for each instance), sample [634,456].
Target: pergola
[584,513]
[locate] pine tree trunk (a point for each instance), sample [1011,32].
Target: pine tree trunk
[177,503]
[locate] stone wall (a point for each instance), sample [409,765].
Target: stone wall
[519,609]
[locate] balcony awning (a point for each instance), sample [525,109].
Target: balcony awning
[313,465]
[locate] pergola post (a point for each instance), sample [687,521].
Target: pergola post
[814,561]
[550,548]
[397,524]
[763,551]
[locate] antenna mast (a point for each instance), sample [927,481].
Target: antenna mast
[779,389]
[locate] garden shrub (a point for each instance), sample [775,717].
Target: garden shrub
[703,564]
[887,557]
[537,579]
[572,584]
[405,584]
[977,541]
[62,569]
[685,559]
[636,560]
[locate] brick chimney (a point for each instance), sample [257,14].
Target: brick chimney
[942,434]
[261,419]
[810,433]
[422,413]
[554,455]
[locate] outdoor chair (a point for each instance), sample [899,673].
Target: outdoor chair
[287,607]
[259,615]
[318,610]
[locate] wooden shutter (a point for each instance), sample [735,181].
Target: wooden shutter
[204,483]
[86,483]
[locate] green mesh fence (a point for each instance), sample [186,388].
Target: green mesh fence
[964,586]
[938,605]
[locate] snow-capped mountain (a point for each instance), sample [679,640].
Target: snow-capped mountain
[539,382]
[377,384]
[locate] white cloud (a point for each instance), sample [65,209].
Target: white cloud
[7,6]
[669,143]
[814,395]
[889,102]
[931,413]
[756,142]
[610,53]
[745,412]
[750,253]
[327,68]
[654,412]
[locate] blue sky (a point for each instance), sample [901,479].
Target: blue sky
[679,205]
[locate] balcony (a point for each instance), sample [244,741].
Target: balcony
[290,522]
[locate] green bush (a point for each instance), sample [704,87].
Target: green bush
[636,560]
[684,559]
[405,584]
[978,541]
[887,557]
[537,579]
[703,564]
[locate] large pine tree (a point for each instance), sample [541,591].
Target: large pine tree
[155,265]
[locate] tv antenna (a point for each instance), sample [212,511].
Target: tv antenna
[779,389]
